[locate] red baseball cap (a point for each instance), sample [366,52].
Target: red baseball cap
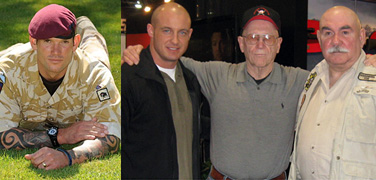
[53,21]
[262,13]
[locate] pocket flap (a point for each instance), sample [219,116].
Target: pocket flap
[359,170]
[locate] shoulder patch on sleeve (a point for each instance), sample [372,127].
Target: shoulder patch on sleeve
[103,94]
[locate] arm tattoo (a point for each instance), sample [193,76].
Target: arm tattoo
[95,148]
[18,138]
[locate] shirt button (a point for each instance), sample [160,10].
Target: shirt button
[338,157]
[313,147]
[313,172]
[326,101]
[258,88]
[318,124]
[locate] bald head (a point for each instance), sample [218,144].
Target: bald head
[170,9]
[341,11]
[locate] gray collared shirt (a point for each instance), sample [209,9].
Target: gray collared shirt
[252,126]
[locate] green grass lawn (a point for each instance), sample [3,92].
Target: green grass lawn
[15,166]
[15,16]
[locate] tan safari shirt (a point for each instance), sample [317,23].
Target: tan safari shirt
[87,91]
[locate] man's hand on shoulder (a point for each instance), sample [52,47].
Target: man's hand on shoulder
[131,55]
[82,130]
[371,60]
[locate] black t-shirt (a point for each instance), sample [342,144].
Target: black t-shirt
[51,86]
[260,80]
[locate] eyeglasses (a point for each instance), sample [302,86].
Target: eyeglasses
[252,39]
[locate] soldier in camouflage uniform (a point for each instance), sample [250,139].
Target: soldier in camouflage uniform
[56,91]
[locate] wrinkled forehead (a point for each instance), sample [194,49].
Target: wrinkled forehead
[342,18]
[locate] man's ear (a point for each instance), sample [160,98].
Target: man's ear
[362,37]
[190,32]
[33,42]
[150,30]
[76,41]
[279,42]
[241,43]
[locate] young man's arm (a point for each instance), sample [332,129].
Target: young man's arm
[18,138]
[48,158]
[96,143]
[95,148]
[209,74]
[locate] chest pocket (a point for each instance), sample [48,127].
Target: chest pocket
[361,115]
[359,157]
[70,107]
[33,115]
[66,110]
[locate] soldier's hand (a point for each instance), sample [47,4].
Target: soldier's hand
[82,130]
[370,61]
[131,55]
[48,158]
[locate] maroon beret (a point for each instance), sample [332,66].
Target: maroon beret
[53,21]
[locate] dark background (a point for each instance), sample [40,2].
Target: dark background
[225,15]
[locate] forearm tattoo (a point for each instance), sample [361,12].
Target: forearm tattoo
[18,138]
[95,149]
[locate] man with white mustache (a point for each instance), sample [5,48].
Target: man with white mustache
[337,49]
[336,127]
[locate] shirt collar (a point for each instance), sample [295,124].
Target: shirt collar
[275,76]
[322,68]
[359,64]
